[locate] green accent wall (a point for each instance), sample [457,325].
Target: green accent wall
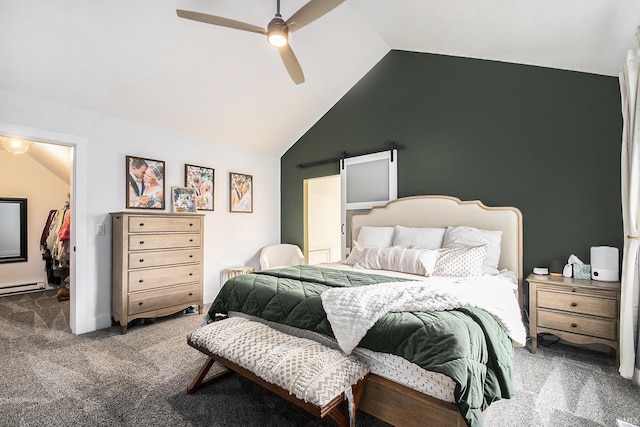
[543,140]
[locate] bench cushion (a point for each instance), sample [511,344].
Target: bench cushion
[311,371]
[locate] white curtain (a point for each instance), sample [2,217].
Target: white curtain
[629,338]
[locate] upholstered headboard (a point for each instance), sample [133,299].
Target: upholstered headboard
[442,211]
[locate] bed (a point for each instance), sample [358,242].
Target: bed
[437,359]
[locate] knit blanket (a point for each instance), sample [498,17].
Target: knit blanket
[353,311]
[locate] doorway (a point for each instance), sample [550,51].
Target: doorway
[79,322]
[39,174]
[322,229]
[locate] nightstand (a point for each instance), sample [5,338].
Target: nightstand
[578,311]
[236,271]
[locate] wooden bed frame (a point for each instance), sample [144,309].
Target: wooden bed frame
[395,403]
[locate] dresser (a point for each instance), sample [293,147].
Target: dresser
[578,311]
[156,264]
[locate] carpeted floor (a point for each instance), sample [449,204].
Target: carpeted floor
[50,377]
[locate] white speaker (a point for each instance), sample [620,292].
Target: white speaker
[604,263]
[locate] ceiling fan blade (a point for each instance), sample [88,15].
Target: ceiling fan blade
[220,21]
[291,64]
[310,12]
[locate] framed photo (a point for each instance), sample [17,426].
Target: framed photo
[201,179]
[145,183]
[183,199]
[240,192]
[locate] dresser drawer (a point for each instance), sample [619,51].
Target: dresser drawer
[160,258]
[158,277]
[576,303]
[578,324]
[141,302]
[149,224]
[139,242]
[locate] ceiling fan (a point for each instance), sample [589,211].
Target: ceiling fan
[277,30]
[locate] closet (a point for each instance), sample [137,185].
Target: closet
[54,246]
[42,176]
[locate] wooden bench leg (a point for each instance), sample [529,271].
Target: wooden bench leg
[348,419]
[200,382]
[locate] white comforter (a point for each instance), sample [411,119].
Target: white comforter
[352,311]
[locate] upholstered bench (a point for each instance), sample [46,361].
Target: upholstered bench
[311,375]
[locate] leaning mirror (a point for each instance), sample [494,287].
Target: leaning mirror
[13,223]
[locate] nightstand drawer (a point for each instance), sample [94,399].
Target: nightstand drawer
[159,277]
[577,324]
[163,241]
[147,224]
[146,301]
[576,303]
[160,258]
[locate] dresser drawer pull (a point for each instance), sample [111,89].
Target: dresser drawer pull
[191,240]
[574,304]
[140,303]
[190,294]
[141,260]
[191,225]
[142,242]
[573,325]
[140,281]
[142,224]
[190,256]
[190,274]
[573,289]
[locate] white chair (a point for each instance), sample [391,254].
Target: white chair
[282,255]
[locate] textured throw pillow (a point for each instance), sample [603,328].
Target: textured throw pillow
[381,237]
[460,262]
[355,254]
[424,238]
[463,236]
[413,261]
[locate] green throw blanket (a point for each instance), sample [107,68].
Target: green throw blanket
[465,344]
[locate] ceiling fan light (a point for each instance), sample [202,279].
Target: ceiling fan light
[15,145]
[277,32]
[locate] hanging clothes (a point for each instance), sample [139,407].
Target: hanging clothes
[54,245]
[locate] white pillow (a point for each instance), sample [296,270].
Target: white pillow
[413,261]
[463,236]
[423,238]
[460,262]
[381,237]
[355,254]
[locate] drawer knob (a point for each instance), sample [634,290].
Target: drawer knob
[190,293]
[141,260]
[142,224]
[573,289]
[190,274]
[574,304]
[191,225]
[140,303]
[573,325]
[142,242]
[140,281]
[191,240]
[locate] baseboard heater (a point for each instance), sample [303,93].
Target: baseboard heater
[26,287]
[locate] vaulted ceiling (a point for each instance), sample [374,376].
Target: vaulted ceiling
[138,61]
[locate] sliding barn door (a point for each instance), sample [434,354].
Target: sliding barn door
[366,181]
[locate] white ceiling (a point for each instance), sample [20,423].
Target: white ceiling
[138,61]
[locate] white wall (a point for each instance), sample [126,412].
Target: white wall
[230,239]
[23,177]
[323,212]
